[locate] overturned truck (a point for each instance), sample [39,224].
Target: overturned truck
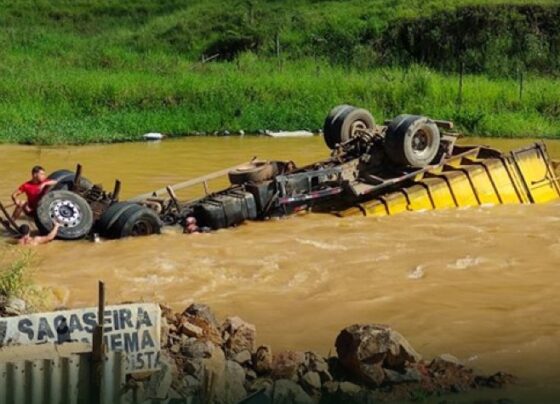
[409,163]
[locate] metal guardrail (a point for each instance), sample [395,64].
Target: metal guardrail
[63,379]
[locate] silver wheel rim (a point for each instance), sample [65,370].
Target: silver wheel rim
[65,212]
[421,143]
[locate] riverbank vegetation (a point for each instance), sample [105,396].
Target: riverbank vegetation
[18,292]
[107,70]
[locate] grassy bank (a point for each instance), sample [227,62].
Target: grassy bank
[108,70]
[77,105]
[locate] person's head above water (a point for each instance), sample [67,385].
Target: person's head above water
[24,230]
[38,174]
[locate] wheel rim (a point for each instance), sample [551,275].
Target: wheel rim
[421,143]
[66,213]
[141,228]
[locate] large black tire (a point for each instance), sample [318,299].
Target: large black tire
[343,121]
[111,215]
[255,171]
[412,141]
[136,221]
[68,209]
[65,180]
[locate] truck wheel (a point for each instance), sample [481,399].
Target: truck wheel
[65,180]
[343,121]
[412,141]
[136,221]
[111,215]
[255,171]
[68,209]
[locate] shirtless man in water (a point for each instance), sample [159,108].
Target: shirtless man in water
[28,239]
[34,190]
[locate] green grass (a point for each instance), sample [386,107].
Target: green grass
[76,71]
[16,270]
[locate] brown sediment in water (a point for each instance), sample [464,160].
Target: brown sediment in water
[480,283]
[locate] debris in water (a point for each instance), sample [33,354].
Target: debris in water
[416,273]
[153,136]
[465,262]
[296,133]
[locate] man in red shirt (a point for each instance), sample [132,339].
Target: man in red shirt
[34,190]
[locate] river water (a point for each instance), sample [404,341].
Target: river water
[480,283]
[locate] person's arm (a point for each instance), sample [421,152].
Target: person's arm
[15,195]
[47,183]
[49,237]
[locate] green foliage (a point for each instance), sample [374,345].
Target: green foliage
[14,274]
[76,71]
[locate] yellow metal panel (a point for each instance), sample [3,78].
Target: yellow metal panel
[461,188]
[506,188]
[395,202]
[375,207]
[418,198]
[483,185]
[536,175]
[440,192]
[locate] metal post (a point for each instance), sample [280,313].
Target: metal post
[116,191]
[77,177]
[520,73]
[98,348]
[461,73]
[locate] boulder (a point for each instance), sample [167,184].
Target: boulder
[288,392]
[243,357]
[262,359]
[200,316]
[316,363]
[364,350]
[190,330]
[234,379]
[196,349]
[15,306]
[159,383]
[286,364]
[311,381]
[238,335]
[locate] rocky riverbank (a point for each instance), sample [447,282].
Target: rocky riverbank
[221,362]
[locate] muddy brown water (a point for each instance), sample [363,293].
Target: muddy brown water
[480,283]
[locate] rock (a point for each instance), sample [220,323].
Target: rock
[190,330]
[160,381]
[316,363]
[448,358]
[289,392]
[227,133]
[365,350]
[331,387]
[410,375]
[286,364]
[199,315]
[250,374]
[193,367]
[175,348]
[242,357]
[15,306]
[197,349]
[234,382]
[164,333]
[262,359]
[238,335]
[349,388]
[260,384]
[311,380]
